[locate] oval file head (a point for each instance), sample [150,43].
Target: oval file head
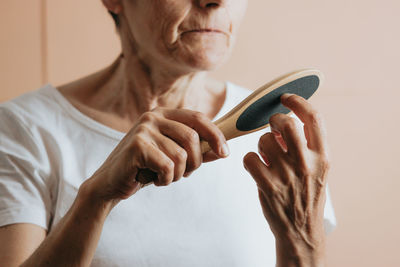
[253,113]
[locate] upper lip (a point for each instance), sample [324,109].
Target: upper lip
[205,30]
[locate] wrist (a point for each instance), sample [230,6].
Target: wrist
[89,196]
[297,253]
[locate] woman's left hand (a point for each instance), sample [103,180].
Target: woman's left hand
[291,185]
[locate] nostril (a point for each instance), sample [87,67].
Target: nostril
[211,5]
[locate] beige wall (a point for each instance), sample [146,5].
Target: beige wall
[21,47]
[355,43]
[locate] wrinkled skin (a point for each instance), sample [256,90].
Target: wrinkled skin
[291,182]
[184,35]
[167,141]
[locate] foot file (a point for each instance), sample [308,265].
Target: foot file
[253,113]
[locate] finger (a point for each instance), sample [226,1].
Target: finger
[267,211]
[187,174]
[260,173]
[265,158]
[279,139]
[269,148]
[154,159]
[175,152]
[312,120]
[186,137]
[203,125]
[210,156]
[292,133]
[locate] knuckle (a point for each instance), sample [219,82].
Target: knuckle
[181,155]
[198,116]
[138,142]
[325,163]
[167,166]
[167,169]
[142,128]
[289,125]
[192,137]
[158,109]
[148,116]
[316,118]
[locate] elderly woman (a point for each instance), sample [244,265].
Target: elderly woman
[69,157]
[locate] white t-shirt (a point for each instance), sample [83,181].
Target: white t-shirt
[213,218]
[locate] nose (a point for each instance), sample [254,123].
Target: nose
[210,3]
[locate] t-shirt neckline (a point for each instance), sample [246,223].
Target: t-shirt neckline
[104,129]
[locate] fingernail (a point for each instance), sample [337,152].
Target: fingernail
[286,96]
[225,150]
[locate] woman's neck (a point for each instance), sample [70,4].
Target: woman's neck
[155,87]
[127,88]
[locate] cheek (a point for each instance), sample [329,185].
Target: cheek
[169,19]
[156,20]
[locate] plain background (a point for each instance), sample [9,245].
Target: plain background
[355,43]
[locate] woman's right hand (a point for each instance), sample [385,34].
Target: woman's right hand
[166,141]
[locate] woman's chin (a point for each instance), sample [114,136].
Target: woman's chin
[205,54]
[207,61]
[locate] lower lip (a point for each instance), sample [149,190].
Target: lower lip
[204,32]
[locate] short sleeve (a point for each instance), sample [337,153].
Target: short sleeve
[24,191]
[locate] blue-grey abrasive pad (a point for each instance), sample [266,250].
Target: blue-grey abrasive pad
[258,113]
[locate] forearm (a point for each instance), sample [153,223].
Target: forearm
[74,239]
